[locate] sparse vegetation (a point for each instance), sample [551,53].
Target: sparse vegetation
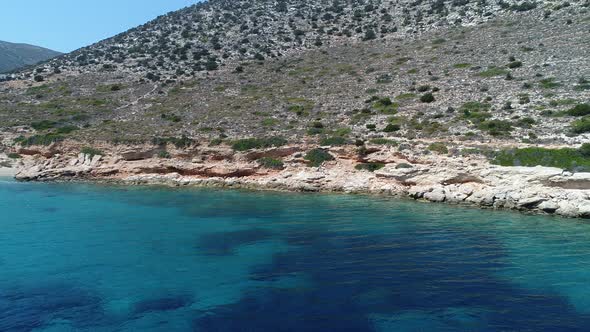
[164,154]
[383,141]
[438,147]
[579,110]
[581,126]
[14,155]
[46,139]
[567,158]
[333,141]
[370,167]
[475,112]
[549,83]
[385,106]
[258,143]
[493,71]
[271,163]
[317,157]
[496,127]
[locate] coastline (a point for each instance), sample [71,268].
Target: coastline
[456,180]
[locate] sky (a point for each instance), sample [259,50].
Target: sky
[66,25]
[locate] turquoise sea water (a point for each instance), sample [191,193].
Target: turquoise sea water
[77,257]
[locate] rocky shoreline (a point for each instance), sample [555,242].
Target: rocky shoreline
[461,180]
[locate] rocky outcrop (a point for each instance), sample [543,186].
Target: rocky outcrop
[135,154]
[453,180]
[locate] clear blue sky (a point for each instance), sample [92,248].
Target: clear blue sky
[66,25]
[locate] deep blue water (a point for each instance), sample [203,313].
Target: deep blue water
[76,257]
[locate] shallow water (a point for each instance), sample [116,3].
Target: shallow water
[77,257]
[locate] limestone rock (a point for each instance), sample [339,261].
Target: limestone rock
[548,206]
[531,202]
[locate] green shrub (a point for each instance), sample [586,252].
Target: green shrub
[317,125]
[91,151]
[427,98]
[549,83]
[371,167]
[462,65]
[526,122]
[579,110]
[66,129]
[496,127]
[514,64]
[369,35]
[270,163]
[317,157]
[46,139]
[300,109]
[385,106]
[383,141]
[172,117]
[315,131]
[258,143]
[406,96]
[493,71]
[342,132]
[164,154]
[475,112]
[333,141]
[391,127]
[581,126]
[524,6]
[438,147]
[14,155]
[423,88]
[216,142]
[270,122]
[566,158]
[583,84]
[43,125]
[316,128]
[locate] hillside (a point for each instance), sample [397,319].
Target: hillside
[449,69]
[14,56]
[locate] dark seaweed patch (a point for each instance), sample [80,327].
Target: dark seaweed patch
[162,304]
[225,243]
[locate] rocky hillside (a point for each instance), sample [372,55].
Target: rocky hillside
[211,34]
[14,56]
[332,71]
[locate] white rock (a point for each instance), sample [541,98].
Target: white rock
[548,206]
[436,195]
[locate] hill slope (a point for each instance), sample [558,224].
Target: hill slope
[14,56]
[474,70]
